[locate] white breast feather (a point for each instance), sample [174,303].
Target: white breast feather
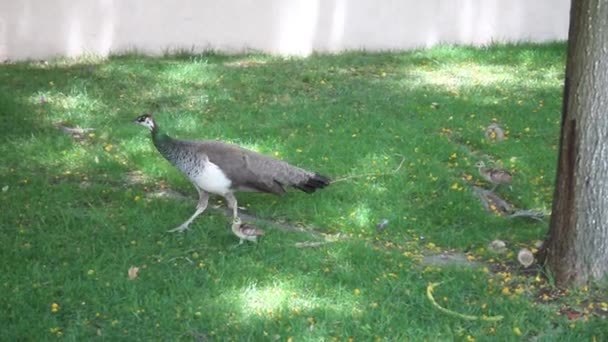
[213,179]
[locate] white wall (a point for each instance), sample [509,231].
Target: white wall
[45,28]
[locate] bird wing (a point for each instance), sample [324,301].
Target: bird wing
[248,170]
[251,230]
[500,176]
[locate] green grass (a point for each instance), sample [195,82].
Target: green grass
[72,226]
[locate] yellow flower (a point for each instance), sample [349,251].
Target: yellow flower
[517,331]
[54,307]
[456,186]
[505,291]
[357,292]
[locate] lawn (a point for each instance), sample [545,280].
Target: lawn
[399,133]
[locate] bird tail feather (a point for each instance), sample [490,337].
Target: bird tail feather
[312,183]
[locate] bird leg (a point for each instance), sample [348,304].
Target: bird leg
[203,199]
[232,204]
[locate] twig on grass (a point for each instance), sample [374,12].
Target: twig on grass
[311,244]
[181,257]
[73,130]
[372,174]
[492,202]
[533,214]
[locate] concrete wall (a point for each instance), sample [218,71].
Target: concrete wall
[45,28]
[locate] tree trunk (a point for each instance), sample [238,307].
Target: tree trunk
[576,251]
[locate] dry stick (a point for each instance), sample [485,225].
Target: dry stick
[181,257]
[311,244]
[489,198]
[533,214]
[371,174]
[74,130]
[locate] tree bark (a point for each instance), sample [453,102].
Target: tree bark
[576,250]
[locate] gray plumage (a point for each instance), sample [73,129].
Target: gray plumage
[222,169]
[246,169]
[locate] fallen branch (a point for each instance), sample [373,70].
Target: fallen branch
[429,295]
[533,214]
[373,174]
[74,130]
[492,202]
[311,244]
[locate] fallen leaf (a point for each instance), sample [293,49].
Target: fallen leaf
[133,272]
[570,313]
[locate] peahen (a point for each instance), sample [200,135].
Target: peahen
[223,169]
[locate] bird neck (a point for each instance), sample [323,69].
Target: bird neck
[161,141]
[158,135]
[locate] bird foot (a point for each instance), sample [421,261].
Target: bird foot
[182,228]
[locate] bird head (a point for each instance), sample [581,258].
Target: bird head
[236,221]
[480,164]
[146,120]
